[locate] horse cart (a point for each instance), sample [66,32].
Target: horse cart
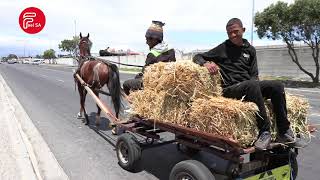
[208,156]
[228,158]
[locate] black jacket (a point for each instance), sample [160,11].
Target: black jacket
[237,63]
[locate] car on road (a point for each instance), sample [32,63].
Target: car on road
[26,61]
[12,61]
[36,62]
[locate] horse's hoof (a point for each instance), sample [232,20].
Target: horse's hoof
[97,124]
[114,131]
[79,115]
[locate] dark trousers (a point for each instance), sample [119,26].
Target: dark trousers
[256,91]
[132,85]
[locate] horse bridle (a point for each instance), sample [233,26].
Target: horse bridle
[87,45]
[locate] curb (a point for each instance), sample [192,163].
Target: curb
[45,165]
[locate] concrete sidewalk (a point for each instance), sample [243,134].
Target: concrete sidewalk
[24,155]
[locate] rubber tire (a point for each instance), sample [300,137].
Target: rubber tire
[194,169]
[134,151]
[290,158]
[294,165]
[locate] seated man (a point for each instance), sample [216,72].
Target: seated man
[237,62]
[159,52]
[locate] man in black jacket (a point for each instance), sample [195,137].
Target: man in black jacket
[159,52]
[237,62]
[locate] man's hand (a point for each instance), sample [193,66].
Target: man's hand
[212,67]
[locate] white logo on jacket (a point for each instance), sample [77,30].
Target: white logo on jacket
[246,57]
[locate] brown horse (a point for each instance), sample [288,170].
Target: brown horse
[96,74]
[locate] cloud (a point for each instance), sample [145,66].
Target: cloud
[122,23]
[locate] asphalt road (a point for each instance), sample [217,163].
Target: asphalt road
[88,152]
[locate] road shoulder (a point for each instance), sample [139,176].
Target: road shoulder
[25,150]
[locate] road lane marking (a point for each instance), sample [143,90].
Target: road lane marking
[45,76]
[60,80]
[315,114]
[58,70]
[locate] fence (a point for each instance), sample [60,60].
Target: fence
[272,61]
[276,61]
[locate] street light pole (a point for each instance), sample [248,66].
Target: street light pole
[75,28]
[24,49]
[252,22]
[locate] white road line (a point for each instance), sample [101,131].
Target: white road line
[304,90]
[58,70]
[44,75]
[60,80]
[315,114]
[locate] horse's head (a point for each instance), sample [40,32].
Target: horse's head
[85,46]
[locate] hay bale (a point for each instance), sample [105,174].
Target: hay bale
[186,94]
[145,103]
[225,117]
[184,80]
[158,106]
[217,115]
[297,108]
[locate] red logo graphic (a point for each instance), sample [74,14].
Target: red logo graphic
[32,20]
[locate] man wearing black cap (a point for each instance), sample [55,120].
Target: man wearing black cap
[237,62]
[159,52]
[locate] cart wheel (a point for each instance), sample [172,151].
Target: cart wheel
[187,150]
[149,140]
[128,152]
[190,170]
[293,164]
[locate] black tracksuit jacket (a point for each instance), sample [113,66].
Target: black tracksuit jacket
[236,63]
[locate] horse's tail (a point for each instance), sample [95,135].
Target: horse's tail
[114,87]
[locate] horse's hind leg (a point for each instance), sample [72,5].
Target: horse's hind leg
[98,112]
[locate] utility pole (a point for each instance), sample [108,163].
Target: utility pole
[24,49]
[75,28]
[252,22]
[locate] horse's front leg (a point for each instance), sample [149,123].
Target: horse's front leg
[83,94]
[98,111]
[80,90]
[84,109]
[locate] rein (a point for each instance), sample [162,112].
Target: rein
[111,62]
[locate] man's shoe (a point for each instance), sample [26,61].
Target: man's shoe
[263,141]
[287,137]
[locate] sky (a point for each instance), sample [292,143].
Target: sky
[121,24]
